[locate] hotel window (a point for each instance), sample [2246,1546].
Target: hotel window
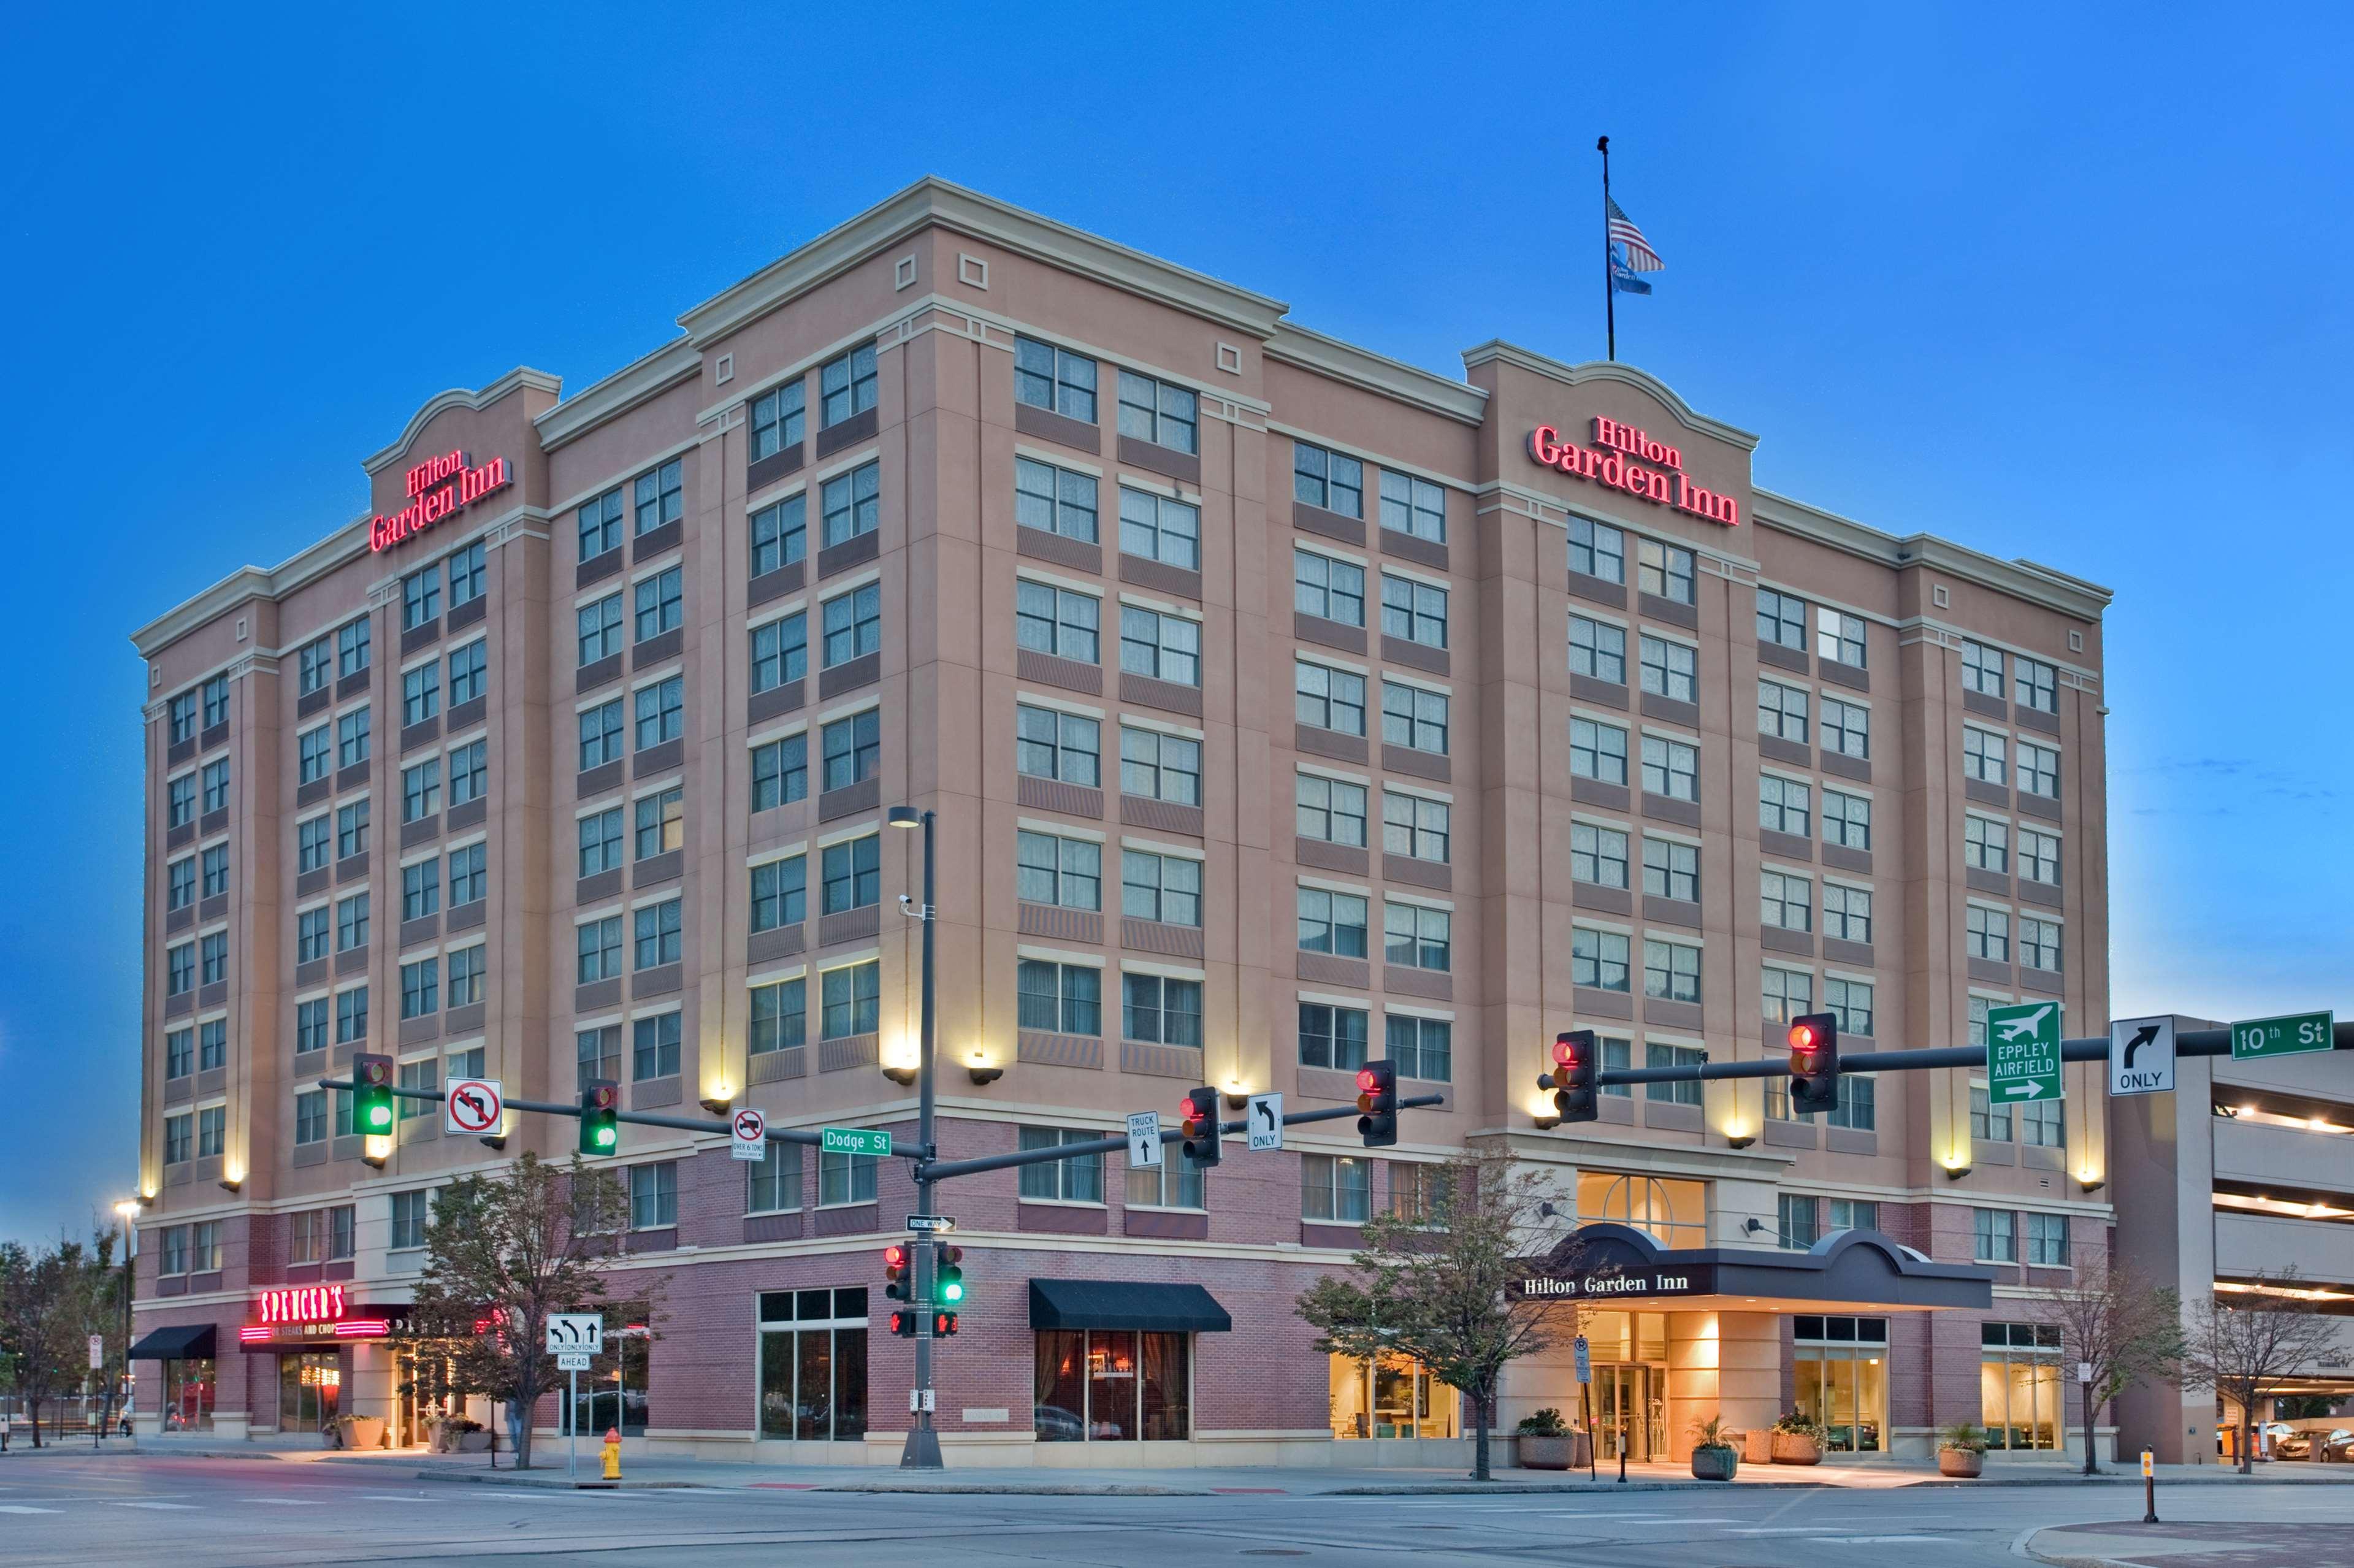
[1981,668]
[851,873]
[181,715]
[1989,1123]
[1671,870]
[1055,500]
[779,1019]
[421,692]
[599,950]
[2039,943]
[2039,770]
[1850,1001]
[1338,1188]
[1417,937]
[846,386]
[1416,826]
[420,598]
[2039,856]
[845,1179]
[351,926]
[780,533]
[1597,855]
[1839,637]
[654,1046]
[1983,756]
[1328,698]
[351,830]
[2042,1124]
[1160,528]
[660,712]
[1784,994]
[661,604]
[851,504]
[352,739]
[470,772]
[180,969]
[1420,1193]
[180,879]
[1617,1056]
[212,1044]
[352,647]
[466,576]
[420,987]
[2037,685]
[778,417]
[1154,765]
[216,872]
[1420,1047]
[1786,902]
[779,772]
[1841,1367]
[1664,571]
[1328,588]
[1796,1225]
[1994,1236]
[1671,971]
[1413,611]
[317,668]
[1329,810]
[772,1185]
[1055,380]
[1076,1180]
[205,1243]
[1847,913]
[314,933]
[660,822]
[468,876]
[1596,550]
[1159,1010]
[658,938]
[1598,959]
[1332,1036]
[1670,768]
[1781,619]
[215,692]
[315,760]
[1683,1091]
[1331,923]
[180,794]
[1166,888]
[1782,711]
[1158,412]
[313,843]
[179,1143]
[1175,1184]
[653,1193]
[312,1023]
[1059,998]
[1597,650]
[853,624]
[465,986]
[659,496]
[216,787]
[351,1015]
[1414,506]
[420,889]
[1067,747]
[2021,1396]
[850,1000]
[780,652]
[1988,934]
[1847,819]
[1159,647]
[1597,751]
[1058,621]
[854,749]
[1985,843]
[600,626]
[600,525]
[1846,729]
[1413,718]
[1327,478]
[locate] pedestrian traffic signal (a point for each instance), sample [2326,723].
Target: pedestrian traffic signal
[895,1273]
[1814,1062]
[601,1116]
[944,1325]
[1377,1104]
[372,1112]
[1197,1114]
[1575,1063]
[903,1323]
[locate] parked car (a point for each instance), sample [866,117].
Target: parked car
[2335,1444]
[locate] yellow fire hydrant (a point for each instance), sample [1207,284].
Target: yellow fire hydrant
[613,1452]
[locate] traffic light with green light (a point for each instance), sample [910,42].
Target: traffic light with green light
[601,1119]
[372,1113]
[947,1275]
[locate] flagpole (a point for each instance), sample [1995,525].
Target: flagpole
[1610,292]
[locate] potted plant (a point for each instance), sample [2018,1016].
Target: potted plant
[466,1435]
[1714,1457]
[1548,1444]
[1797,1440]
[362,1431]
[1961,1452]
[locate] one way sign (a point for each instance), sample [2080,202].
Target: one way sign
[2141,1056]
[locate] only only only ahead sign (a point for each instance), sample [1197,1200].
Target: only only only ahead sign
[2023,1051]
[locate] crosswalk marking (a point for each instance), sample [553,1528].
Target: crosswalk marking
[1872,1539]
[186,1507]
[20,1508]
[283,1503]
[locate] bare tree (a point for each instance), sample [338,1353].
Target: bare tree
[2245,1343]
[1441,1284]
[2119,1323]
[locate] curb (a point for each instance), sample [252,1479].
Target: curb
[2072,1560]
[554,1482]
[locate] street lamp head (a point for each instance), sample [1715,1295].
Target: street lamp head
[127,1209]
[905,817]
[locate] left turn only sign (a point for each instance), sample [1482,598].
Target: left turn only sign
[473,1109]
[748,1135]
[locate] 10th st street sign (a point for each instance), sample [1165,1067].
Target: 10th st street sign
[2299,1032]
[2023,1051]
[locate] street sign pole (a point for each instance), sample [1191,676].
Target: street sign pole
[571,1426]
[923,1449]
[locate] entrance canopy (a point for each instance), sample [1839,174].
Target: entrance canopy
[186,1342]
[1126,1304]
[1612,1264]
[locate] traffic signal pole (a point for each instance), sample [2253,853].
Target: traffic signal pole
[923,1449]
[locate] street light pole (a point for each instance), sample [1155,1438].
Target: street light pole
[129,1212]
[923,1449]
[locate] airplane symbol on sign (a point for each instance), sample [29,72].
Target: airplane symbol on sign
[2024,1028]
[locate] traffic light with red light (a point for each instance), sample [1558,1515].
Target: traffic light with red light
[601,1119]
[1814,1062]
[1575,1063]
[944,1325]
[1197,1114]
[1377,1100]
[372,1113]
[896,1262]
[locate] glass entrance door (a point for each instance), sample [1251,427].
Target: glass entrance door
[1622,1413]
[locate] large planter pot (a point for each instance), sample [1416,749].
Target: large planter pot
[366,1432]
[1961,1463]
[473,1442]
[1559,1452]
[1714,1464]
[1797,1448]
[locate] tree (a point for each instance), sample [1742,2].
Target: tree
[2246,1343]
[2112,1319]
[49,1306]
[503,1252]
[1440,1284]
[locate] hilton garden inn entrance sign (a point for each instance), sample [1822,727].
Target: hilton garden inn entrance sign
[1607,1263]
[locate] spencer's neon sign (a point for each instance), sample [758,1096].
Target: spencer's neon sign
[1623,458]
[438,488]
[301,1304]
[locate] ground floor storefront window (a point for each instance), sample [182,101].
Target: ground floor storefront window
[310,1391]
[813,1364]
[1395,1396]
[1113,1385]
[1841,1365]
[188,1395]
[2019,1385]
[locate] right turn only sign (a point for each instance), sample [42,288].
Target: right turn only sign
[2141,1056]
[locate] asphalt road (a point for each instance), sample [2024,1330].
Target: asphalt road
[199,1513]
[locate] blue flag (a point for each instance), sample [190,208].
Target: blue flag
[1625,279]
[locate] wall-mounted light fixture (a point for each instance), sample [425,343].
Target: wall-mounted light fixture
[721,1103]
[1957,1165]
[1238,1094]
[980,1075]
[902,1076]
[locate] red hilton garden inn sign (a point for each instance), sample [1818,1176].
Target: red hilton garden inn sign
[1620,465]
[438,488]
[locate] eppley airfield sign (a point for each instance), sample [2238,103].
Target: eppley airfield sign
[1620,464]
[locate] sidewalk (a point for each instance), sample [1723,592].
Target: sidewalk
[2198,1545]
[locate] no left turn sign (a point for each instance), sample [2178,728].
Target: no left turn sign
[474,1108]
[748,1135]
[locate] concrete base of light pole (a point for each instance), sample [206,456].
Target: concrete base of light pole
[923,1450]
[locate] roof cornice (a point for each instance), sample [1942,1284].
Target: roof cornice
[521,376]
[346,544]
[1377,373]
[1568,375]
[633,384]
[2021,579]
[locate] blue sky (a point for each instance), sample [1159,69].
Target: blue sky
[2063,283]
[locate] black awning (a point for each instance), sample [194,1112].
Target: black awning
[1126,1304]
[189,1342]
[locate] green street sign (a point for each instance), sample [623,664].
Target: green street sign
[2290,1036]
[2023,1051]
[855,1141]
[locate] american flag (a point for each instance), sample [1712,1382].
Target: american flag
[1640,257]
